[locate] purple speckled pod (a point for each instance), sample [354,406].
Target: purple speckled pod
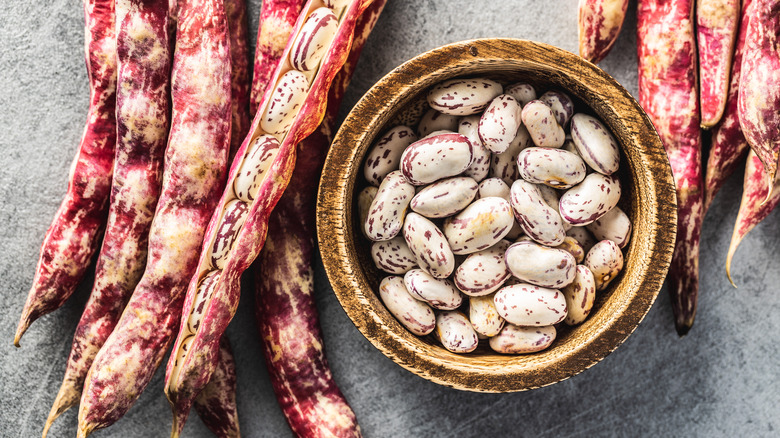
[716,33]
[216,404]
[599,23]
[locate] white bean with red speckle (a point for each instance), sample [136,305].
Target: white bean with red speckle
[522,92]
[583,237]
[415,315]
[494,187]
[614,226]
[438,293]
[429,246]
[288,95]
[551,198]
[589,200]
[519,340]
[579,295]
[233,218]
[393,256]
[480,164]
[386,214]
[561,105]
[365,198]
[314,39]
[541,123]
[528,305]
[573,247]
[433,121]
[484,316]
[552,167]
[504,165]
[455,332]
[445,197]
[540,265]
[479,226]
[597,146]
[463,97]
[483,272]
[605,260]
[385,156]
[434,158]
[499,123]
[256,163]
[538,220]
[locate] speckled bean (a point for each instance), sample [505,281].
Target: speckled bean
[393,256]
[573,247]
[415,315]
[479,226]
[445,197]
[455,332]
[499,123]
[494,187]
[434,158]
[541,123]
[540,265]
[538,220]
[614,226]
[282,107]
[313,39]
[583,237]
[483,272]
[524,304]
[257,161]
[386,214]
[561,105]
[205,291]
[579,295]
[365,198]
[438,293]
[595,143]
[522,93]
[385,156]
[463,97]
[429,246]
[504,165]
[605,260]
[480,164]
[230,224]
[550,196]
[484,316]
[552,167]
[589,200]
[518,340]
[433,120]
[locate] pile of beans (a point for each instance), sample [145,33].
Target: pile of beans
[514,223]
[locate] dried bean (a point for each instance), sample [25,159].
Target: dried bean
[455,332]
[573,247]
[561,105]
[438,293]
[540,265]
[519,340]
[413,314]
[434,158]
[605,261]
[313,40]
[504,165]
[484,317]
[595,144]
[480,163]
[614,226]
[591,199]
[429,246]
[542,125]
[385,156]
[494,187]
[388,209]
[583,237]
[483,272]
[522,93]
[499,123]
[393,256]
[553,167]
[463,97]
[480,226]
[286,99]
[538,220]
[433,121]
[528,305]
[256,163]
[445,197]
[579,295]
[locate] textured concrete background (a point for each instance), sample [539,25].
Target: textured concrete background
[720,380]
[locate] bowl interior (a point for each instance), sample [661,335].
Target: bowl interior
[648,199]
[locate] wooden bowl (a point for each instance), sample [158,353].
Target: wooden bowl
[648,198]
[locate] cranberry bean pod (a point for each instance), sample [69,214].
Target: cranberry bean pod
[484,316]
[445,197]
[716,32]
[433,121]
[195,162]
[538,220]
[614,226]
[479,226]
[595,144]
[388,209]
[455,332]
[519,340]
[494,187]
[438,293]
[561,105]
[504,165]
[365,198]
[522,92]
[385,156]
[216,404]
[729,145]
[72,237]
[528,305]
[393,256]
[313,40]
[552,167]
[142,117]
[499,123]
[429,246]
[591,199]
[573,247]
[579,295]
[542,125]
[437,157]
[599,23]
[480,163]
[605,262]
[463,97]
[540,265]
[240,87]
[483,272]
[412,313]
[666,48]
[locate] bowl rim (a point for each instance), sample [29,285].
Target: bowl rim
[335,202]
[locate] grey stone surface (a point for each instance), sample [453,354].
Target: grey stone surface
[720,380]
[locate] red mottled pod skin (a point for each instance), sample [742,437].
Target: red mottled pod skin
[759,85]
[729,145]
[194,175]
[216,404]
[277,21]
[756,205]
[72,237]
[667,92]
[599,25]
[189,372]
[142,117]
[235,10]
[716,32]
